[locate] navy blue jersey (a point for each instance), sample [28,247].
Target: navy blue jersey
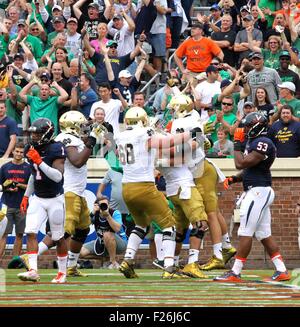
[44,187]
[260,174]
[19,174]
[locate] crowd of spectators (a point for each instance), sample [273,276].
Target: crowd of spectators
[84,55]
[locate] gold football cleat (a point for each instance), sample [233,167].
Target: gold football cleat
[193,270]
[174,273]
[213,263]
[228,254]
[74,272]
[126,268]
[25,261]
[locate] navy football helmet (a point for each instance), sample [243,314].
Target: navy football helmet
[41,132]
[255,123]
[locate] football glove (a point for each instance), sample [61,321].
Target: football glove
[208,128]
[34,156]
[228,181]
[239,138]
[24,205]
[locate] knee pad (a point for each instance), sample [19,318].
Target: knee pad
[169,234]
[179,238]
[197,232]
[140,231]
[80,235]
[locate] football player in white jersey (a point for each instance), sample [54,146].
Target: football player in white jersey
[75,178]
[137,147]
[206,177]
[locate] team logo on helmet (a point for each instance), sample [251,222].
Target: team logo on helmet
[181,104]
[41,132]
[136,116]
[255,123]
[72,122]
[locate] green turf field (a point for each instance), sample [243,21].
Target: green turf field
[109,288]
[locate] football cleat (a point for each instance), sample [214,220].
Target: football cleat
[60,278]
[25,261]
[126,268]
[279,276]
[74,272]
[228,277]
[193,270]
[228,254]
[30,275]
[158,263]
[213,263]
[173,273]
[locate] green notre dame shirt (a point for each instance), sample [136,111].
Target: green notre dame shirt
[230,118]
[12,111]
[44,109]
[3,46]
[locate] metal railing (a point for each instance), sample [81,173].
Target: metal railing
[147,87]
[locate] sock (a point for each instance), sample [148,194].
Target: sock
[32,258]
[193,255]
[42,248]
[158,244]
[278,262]
[238,265]
[218,250]
[176,260]
[62,263]
[72,259]
[133,244]
[226,244]
[168,245]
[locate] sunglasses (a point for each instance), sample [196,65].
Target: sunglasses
[285,58]
[113,46]
[34,30]
[214,63]
[227,104]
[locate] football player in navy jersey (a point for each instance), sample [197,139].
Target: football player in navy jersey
[257,198]
[46,158]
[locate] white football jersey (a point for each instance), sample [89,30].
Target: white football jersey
[176,177]
[136,159]
[186,124]
[75,179]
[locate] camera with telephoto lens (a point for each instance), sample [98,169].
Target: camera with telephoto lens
[103,206]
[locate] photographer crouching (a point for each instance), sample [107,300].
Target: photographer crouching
[111,237]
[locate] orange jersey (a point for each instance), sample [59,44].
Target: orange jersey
[198,53]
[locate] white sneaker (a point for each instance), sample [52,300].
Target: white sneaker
[61,278]
[30,275]
[114,265]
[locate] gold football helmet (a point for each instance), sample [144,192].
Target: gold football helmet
[136,116]
[181,104]
[72,122]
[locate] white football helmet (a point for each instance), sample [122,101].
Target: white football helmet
[72,122]
[182,104]
[136,116]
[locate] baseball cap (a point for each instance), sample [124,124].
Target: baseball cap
[248,17]
[56,7]
[111,43]
[197,24]
[125,73]
[19,55]
[201,76]
[284,53]
[288,85]
[57,19]
[249,103]
[257,55]
[225,82]
[211,68]
[117,17]
[215,6]
[295,50]
[22,22]
[245,8]
[45,75]
[94,5]
[72,19]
